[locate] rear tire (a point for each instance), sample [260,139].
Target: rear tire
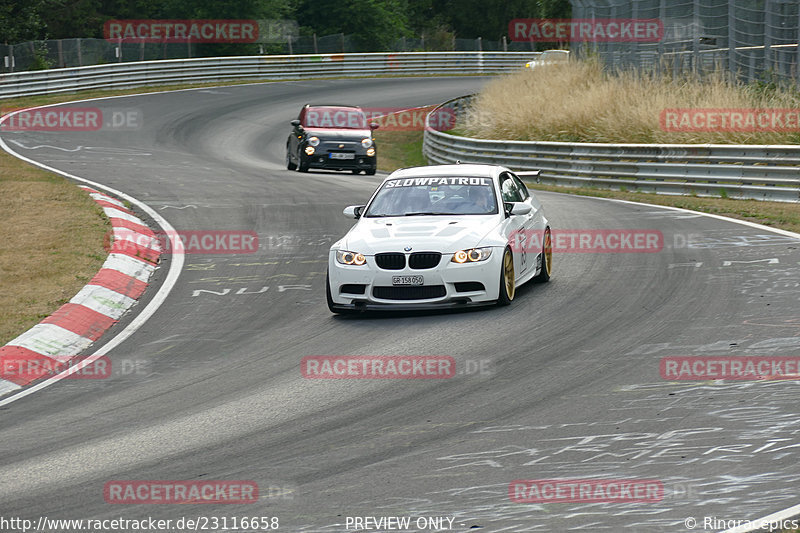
[507,279]
[547,259]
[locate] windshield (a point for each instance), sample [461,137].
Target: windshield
[434,196]
[334,117]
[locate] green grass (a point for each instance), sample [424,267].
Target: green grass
[398,149]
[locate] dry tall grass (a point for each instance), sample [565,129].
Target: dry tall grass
[579,102]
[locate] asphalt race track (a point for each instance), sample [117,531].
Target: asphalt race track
[569,387]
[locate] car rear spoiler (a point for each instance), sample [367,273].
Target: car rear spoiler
[530,174]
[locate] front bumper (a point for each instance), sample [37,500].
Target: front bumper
[322,160]
[454,285]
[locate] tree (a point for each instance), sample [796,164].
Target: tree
[21,21]
[376,24]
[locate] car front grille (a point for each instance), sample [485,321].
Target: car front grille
[422,260]
[390,261]
[421,292]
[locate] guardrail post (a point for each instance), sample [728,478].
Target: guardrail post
[80,54]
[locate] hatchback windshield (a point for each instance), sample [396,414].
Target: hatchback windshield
[434,196]
[334,117]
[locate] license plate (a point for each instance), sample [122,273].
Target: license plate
[407,280]
[341,155]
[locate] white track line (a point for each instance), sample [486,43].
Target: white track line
[175,268]
[761,523]
[172,276]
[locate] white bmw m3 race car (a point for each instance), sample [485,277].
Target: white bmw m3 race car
[438,237]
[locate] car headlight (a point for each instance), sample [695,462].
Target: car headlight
[350,258]
[370,152]
[366,143]
[472,255]
[313,141]
[309,150]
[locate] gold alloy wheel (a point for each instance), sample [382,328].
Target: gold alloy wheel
[508,273]
[548,253]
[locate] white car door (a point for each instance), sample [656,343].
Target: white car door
[534,224]
[518,226]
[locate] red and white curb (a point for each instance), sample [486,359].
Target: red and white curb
[98,306]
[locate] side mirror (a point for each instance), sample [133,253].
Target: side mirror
[295,123]
[374,126]
[353,211]
[518,208]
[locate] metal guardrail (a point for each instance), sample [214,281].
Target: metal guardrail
[761,172]
[201,70]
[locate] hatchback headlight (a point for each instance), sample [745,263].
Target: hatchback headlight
[472,255]
[366,143]
[313,141]
[350,258]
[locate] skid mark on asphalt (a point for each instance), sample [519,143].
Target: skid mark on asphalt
[96,149]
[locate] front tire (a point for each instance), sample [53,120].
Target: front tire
[302,167]
[370,172]
[547,259]
[507,280]
[289,164]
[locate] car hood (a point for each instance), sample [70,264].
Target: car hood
[329,134]
[440,233]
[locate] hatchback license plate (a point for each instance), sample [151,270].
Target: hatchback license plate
[341,155]
[407,280]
